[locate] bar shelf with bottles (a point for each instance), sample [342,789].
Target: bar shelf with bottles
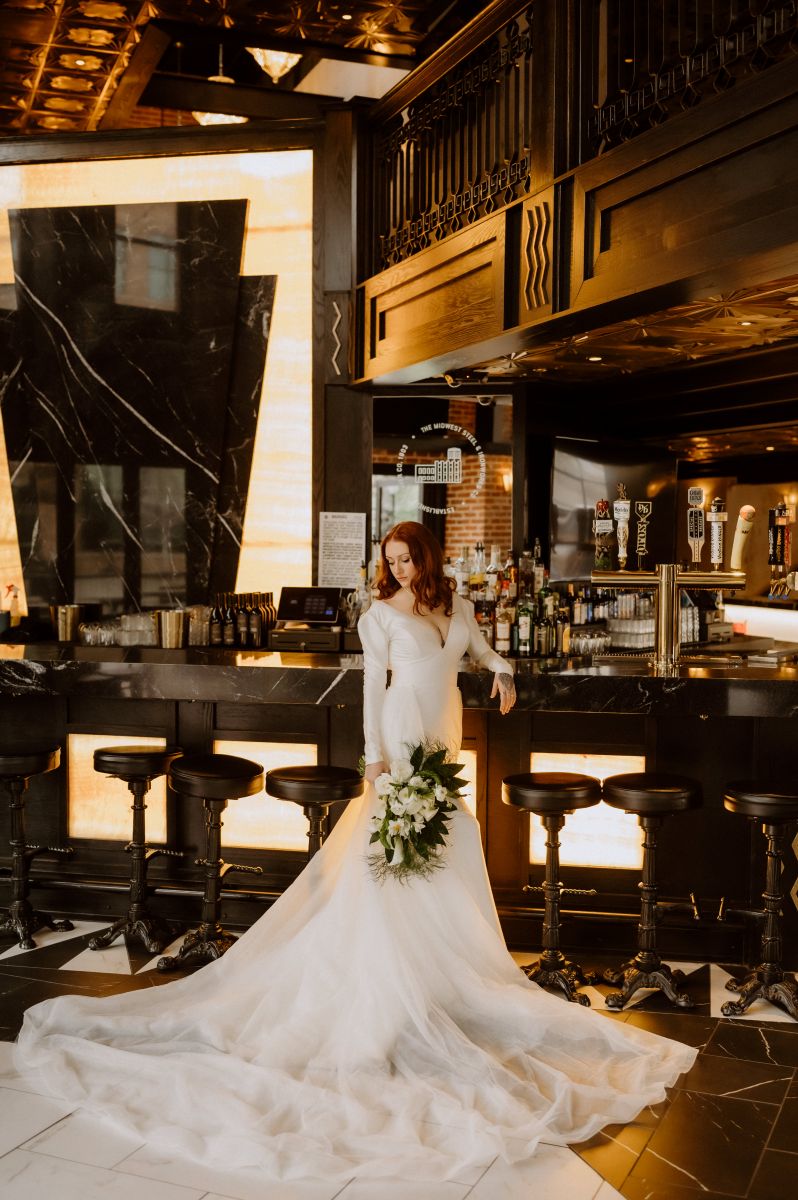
[242,620]
[523,615]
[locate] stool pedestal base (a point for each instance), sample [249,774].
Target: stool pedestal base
[635,975]
[565,975]
[23,921]
[779,988]
[203,945]
[152,932]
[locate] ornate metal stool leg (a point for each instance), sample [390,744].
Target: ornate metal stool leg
[646,970]
[768,980]
[21,918]
[552,968]
[138,922]
[317,827]
[210,940]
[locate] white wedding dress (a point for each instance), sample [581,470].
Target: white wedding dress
[377,1029]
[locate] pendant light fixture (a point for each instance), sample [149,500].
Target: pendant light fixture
[216,118]
[275,63]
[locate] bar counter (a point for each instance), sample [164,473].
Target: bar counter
[265,677]
[716,723]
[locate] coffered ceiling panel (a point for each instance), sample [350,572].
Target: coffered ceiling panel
[61,61]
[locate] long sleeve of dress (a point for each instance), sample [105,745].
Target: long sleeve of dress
[375,671]
[478,648]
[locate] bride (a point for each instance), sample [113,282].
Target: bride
[363,1027]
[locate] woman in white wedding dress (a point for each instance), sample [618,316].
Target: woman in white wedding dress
[362,1027]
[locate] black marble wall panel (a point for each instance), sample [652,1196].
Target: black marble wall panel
[130,376]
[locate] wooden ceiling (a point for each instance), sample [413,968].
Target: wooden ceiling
[81,65]
[718,327]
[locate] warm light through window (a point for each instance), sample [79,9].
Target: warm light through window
[99,804]
[593,837]
[262,820]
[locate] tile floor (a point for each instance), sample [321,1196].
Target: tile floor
[728,1130]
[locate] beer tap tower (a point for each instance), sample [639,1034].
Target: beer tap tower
[667,579]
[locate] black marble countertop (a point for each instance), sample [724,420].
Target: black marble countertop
[267,677]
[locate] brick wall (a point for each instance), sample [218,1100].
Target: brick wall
[486,517]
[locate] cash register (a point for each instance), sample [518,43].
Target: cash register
[308,620]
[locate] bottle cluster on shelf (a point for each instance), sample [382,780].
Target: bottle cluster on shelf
[521,614]
[242,619]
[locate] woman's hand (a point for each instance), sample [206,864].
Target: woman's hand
[504,684]
[373,770]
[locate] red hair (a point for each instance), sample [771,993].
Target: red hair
[430,587]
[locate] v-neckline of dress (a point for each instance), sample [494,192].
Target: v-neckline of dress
[417,617]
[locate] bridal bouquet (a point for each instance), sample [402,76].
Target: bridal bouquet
[414,798]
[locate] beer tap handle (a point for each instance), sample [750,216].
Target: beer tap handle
[716,517]
[743,528]
[695,523]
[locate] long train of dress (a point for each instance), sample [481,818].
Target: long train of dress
[378,1029]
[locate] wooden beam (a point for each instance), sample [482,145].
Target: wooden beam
[143,61]
[200,95]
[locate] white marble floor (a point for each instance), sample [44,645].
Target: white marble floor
[48,1150]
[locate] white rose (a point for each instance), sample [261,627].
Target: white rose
[418,781]
[413,805]
[398,806]
[383,784]
[401,769]
[440,793]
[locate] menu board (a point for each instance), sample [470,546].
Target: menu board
[342,548]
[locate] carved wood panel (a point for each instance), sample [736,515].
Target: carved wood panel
[446,297]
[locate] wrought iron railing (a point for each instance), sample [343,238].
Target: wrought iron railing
[466,142]
[649,59]
[459,151]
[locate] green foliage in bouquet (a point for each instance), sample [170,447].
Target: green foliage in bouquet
[414,801]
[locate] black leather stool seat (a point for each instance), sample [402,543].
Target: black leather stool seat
[21,765]
[314,784]
[135,762]
[550,791]
[216,776]
[650,793]
[770,802]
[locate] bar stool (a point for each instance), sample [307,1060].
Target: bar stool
[316,789]
[552,795]
[137,766]
[16,771]
[215,779]
[776,807]
[652,797]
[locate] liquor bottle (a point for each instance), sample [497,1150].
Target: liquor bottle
[242,619]
[255,624]
[215,623]
[229,624]
[526,571]
[493,570]
[504,621]
[524,621]
[461,572]
[562,634]
[476,578]
[511,575]
[538,569]
[484,616]
[272,609]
